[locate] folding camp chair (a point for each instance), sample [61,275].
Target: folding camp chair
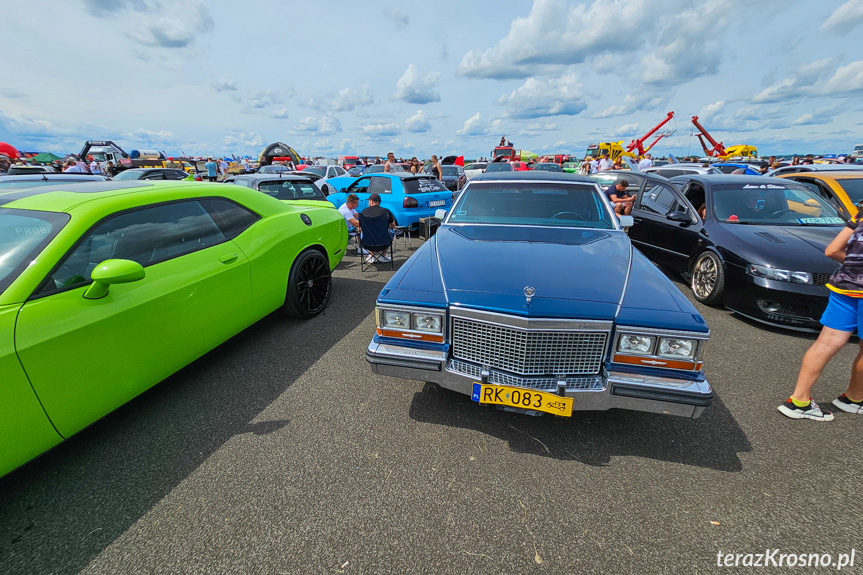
[375,238]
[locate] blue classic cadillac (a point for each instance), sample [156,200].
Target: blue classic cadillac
[531,297]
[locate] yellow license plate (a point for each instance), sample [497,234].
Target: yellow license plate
[523,398]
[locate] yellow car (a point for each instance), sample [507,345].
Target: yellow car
[842,189]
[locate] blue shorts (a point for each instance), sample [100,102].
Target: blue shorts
[843,313]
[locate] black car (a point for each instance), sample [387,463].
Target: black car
[31,180]
[753,244]
[452,177]
[16,170]
[282,186]
[152,174]
[548,167]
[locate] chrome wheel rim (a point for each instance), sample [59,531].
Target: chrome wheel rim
[704,277]
[313,284]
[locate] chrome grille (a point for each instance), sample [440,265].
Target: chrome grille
[593,383]
[526,352]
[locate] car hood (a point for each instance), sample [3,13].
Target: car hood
[785,247]
[573,272]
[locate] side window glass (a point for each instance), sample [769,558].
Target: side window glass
[381,185]
[233,219]
[658,200]
[154,176]
[360,186]
[147,236]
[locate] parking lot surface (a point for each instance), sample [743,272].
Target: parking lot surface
[280,452]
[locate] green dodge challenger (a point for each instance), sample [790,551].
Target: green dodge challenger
[107,288]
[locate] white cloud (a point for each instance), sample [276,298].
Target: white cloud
[349,99]
[847,79]
[624,130]
[416,89]
[417,123]
[325,125]
[797,85]
[381,129]
[243,140]
[632,103]
[400,17]
[536,98]
[845,18]
[281,114]
[225,85]
[476,126]
[558,34]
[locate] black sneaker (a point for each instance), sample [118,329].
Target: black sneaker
[811,411]
[845,404]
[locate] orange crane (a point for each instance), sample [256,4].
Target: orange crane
[639,143]
[718,150]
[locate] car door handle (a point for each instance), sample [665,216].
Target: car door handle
[228,258]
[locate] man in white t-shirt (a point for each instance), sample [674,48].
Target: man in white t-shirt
[594,166]
[645,162]
[349,211]
[604,163]
[223,168]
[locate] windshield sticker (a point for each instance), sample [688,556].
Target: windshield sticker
[763,187]
[816,221]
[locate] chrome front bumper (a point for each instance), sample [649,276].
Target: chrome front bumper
[609,390]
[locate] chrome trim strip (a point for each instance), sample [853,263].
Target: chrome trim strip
[651,246]
[625,282]
[530,324]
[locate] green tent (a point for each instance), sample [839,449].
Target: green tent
[45,158]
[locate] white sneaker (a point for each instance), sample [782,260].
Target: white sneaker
[370,259]
[384,259]
[365,252]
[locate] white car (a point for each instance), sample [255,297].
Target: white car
[475,169]
[325,173]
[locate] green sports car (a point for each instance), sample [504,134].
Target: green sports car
[107,288]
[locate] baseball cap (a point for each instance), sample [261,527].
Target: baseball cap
[375,197]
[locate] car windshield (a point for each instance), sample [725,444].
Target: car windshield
[532,203]
[772,204]
[499,167]
[23,234]
[451,171]
[318,170]
[423,186]
[292,190]
[128,175]
[548,167]
[273,169]
[853,187]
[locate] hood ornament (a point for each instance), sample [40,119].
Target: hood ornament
[529,292]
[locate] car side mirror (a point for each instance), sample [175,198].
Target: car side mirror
[112,272]
[682,217]
[626,221]
[440,214]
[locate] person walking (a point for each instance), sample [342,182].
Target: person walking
[646,162]
[844,315]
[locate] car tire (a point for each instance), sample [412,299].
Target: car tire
[325,189]
[707,280]
[310,284]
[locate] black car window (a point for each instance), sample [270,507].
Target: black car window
[154,176]
[381,185]
[232,218]
[292,190]
[147,236]
[176,175]
[669,173]
[659,199]
[360,186]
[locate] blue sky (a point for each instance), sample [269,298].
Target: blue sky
[340,77]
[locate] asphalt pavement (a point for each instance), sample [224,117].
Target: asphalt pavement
[280,452]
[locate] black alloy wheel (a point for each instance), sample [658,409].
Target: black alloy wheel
[309,285]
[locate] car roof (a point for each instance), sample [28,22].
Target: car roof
[400,175]
[719,179]
[61,197]
[52,176]
[823,174]
[530,175]
[273,176]
[632,173]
